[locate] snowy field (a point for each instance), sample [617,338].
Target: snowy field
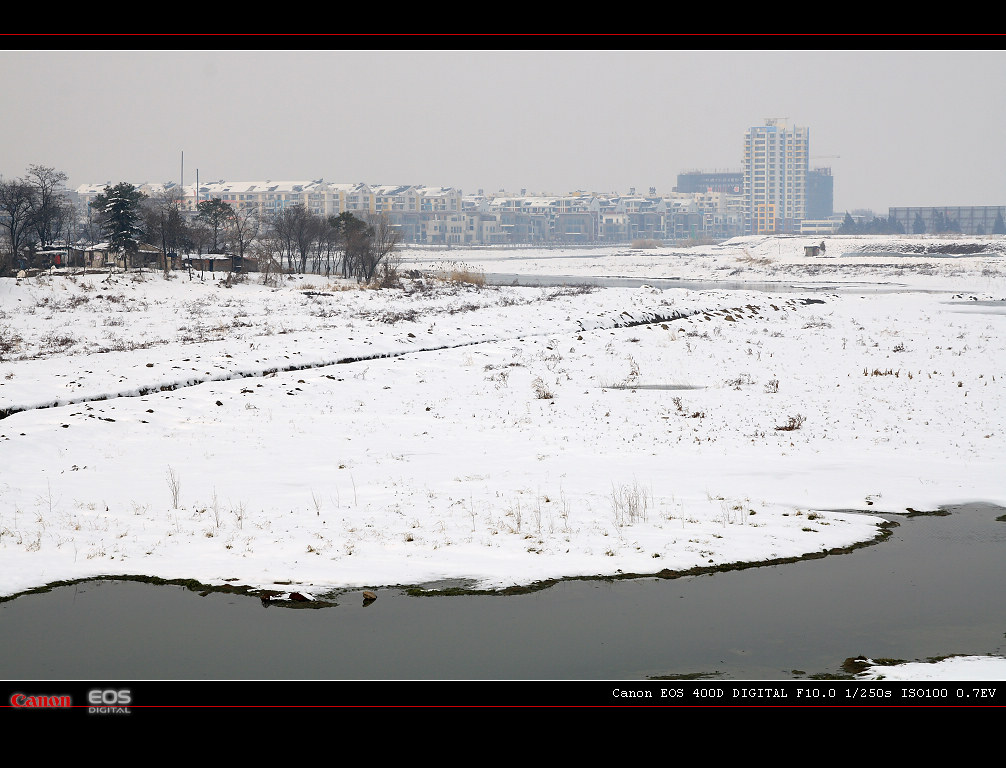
[315,436]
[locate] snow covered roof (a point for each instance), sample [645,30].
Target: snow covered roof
[438,191]
[385,190]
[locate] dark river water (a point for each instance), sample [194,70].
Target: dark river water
[664,283]
[935,587]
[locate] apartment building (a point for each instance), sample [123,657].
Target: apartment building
[776,160]
[267,197]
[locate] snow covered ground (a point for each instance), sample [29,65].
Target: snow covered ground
[923,261]
[318,436]
[955,668]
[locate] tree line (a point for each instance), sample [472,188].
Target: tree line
[36,214]
[876,227]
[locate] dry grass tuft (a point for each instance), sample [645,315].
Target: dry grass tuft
[466,276]
[753,261]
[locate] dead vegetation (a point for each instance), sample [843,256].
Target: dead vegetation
[753,261]
[465,276]
[792,424]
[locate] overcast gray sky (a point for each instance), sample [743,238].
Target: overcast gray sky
[896,127]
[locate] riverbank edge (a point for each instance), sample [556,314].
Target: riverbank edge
[328,599]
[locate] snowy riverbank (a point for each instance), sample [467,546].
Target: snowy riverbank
[314,438]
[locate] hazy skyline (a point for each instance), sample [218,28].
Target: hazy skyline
[897,128]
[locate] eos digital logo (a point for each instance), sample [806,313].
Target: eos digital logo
[108,701]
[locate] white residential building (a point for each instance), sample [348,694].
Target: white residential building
[775,177]
[425,214]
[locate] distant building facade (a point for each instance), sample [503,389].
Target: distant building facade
[965,220]
[829,226]
[442,215]
[820,194]
[699,182]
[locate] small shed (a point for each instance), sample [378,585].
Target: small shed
[101,255]
[211,262]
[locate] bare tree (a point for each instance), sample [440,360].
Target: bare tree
[17,203]
[63,222]
[50,202]
[268,251]
[306,230]
[90,224]
[165,224]
[200,238]
[297,230]
[326,246]
[282,225]
[383,241]
[71,230]
[244,228]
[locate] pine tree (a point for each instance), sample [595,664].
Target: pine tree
[119,210]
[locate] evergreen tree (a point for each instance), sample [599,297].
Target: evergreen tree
[848,225]
[215,214]
[119,210]
[918,228]
[999,227]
